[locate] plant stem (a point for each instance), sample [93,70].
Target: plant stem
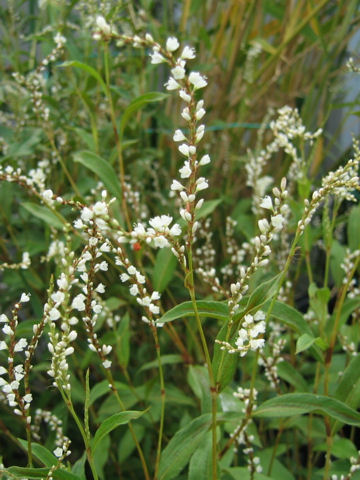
[70,407]
[116,135]
[213,389]
[162,412]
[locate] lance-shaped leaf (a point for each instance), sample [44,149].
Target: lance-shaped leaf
[44,214]
[210,309]
[102,168]
[113,422]
[292,404]
[181,447]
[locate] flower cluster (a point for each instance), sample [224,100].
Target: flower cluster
[23,265]
[287,128]
[249,335]
[34,81]
[341,183]
[138,289]
[261,243]
[20,403]
[159,234]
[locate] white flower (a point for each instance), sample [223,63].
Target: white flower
[186,114]
[103,266]
[100,288]
[58,452]
[204,160]
[263,225]
[172,84]
[106,349]
[72,336]
[20,345]
[184,149]
[102,25]
[62,281]
[154,309]
[86,214]
[7,330]
[176,186]
[185,171]
[24,297]
[47,195]
[267,203]
[78,302]
[185,96]
[200,113]
[58,297]
[179,136]
[27,398]
[196,79]
[175,230]
[155,295]
[107,364]
[161,242]
[100,208]
[178,72]
[59,39]
[160,223]
[172,44]
[54,314]
[134,290]
[156,58]
[201,184]
[3,318]
[188,53]
[131,270]
[140,278]
[277,222]
[3,345]
[200,133]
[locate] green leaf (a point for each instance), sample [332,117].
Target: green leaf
[181,447]
[43,213]
[102,168]
[123,341]
[46,457]
[200,467]
[137,104]
[79,467]
[165,265]
[87,405]
[291,375]
[292,404]
[353,228]
[127,444]
[24,472]
[292,318]
[198,380]
[348,390]
[170,359]
[86,68]
[337,255]
[113,422]
[304,342]
[260,295]
[207,208]
[210,309]
[242,473]
[102,388]
[228,362]
[29,473]
[340,448]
